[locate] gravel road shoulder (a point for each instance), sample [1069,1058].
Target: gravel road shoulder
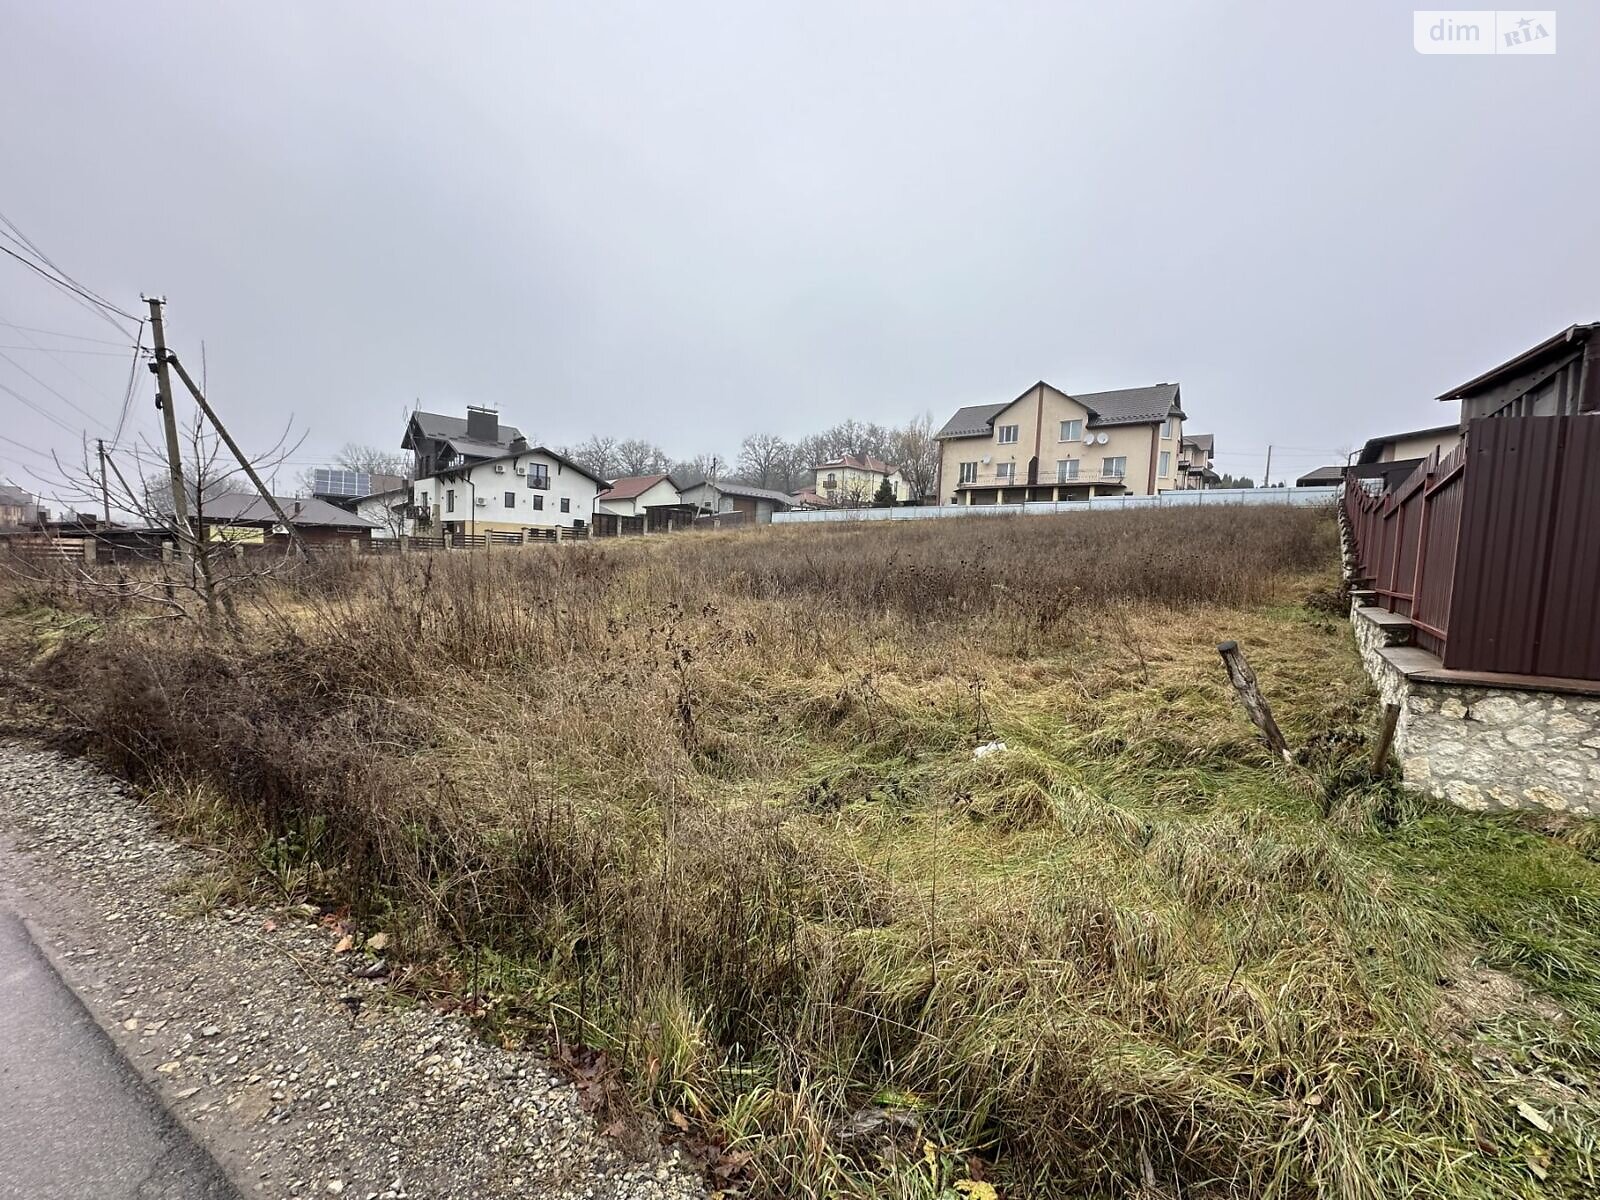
[300,1079]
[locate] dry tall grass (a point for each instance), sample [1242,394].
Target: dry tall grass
[709,803]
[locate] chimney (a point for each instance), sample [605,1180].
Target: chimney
[519,445]
[483,424]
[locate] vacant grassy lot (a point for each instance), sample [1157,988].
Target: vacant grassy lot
[710,804]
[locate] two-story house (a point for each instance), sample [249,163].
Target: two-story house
[853,480]
[1196,452]
[531,487]
[1048,445]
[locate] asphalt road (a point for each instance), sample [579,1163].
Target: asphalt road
[76,1122]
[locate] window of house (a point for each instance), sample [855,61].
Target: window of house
[566,504]
[1005,471]
[1066,468]
[1114,468]
[450,500]
[1006,434]
[969,472]
[422,499]
[538,475]
[1166,464]
[1072,431]
[1166,428]
[538,503]
[511,499]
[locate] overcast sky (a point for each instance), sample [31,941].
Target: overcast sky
[690,222]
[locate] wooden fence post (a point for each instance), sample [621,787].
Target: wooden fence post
[1244,682]
[88,551]
[1391,716]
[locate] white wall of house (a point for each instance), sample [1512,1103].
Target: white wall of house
[707,498]
[379,509]
[509,500]
[855,486]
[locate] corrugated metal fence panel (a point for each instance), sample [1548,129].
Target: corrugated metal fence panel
[1569,631]
[1431,609]
[1506,558]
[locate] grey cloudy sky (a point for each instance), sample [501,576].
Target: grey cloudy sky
[689,222]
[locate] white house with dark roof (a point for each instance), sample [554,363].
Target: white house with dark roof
[529,487]
[1048,445]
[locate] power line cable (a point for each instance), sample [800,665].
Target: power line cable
[127,392]
[59,396]
[45,413]
[67,287]
[49,262]
[76,337]
[68,350]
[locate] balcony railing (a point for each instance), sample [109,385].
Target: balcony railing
[1082,477]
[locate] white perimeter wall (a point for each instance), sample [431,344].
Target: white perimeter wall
[1216,497]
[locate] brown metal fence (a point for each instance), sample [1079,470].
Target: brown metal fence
[1493,551]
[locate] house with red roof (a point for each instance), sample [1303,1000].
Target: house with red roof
[636,495]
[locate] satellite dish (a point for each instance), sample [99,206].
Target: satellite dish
[1102,439]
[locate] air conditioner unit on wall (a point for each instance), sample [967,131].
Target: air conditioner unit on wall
[482,502]
[499,468]
[522,470]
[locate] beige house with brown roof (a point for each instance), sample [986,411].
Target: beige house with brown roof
[852,480]
[1048,445]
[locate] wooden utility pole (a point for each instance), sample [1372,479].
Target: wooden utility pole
[1244,682]
[166,356]
[1266,480]
[105,494]
[169,420]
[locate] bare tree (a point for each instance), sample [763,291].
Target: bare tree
[638,457]
[913,449]
[701,466]
[208,562]
[598,455]
[369,460]
[766,460]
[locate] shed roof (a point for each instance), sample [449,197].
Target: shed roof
[1374,447]
[240,509]
[754,493]
[1331,474]
[1556,347]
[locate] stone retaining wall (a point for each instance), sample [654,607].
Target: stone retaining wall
[1489,748]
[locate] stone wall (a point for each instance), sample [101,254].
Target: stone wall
[1489,748]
